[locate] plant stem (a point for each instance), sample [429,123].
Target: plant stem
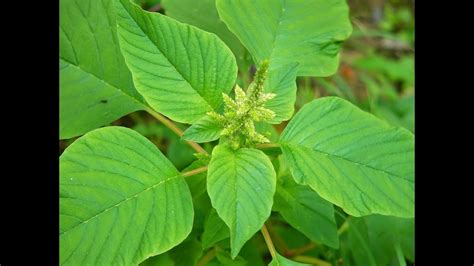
[300,250]
[155,8]
[267,145]
[343,228]
[246,79]
[312,260]
[269,242]
[195,171]
[169,124]
[207,258]
[165,122]
[278,241]
[400,257]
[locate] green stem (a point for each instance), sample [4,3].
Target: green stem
[268,145]
[207,258]
[195,171]
[155,8]
[343,228]
[245,78]
[277,240]
[312,260]
[169,124]
[269,242]
[271,149]
[400,257]
[300,250]
[307,83]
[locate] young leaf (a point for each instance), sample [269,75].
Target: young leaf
[215,230]
[205,129]
[121,200]
[181,11]
[351,158]
[180,70]
[282,82]
[241,184]
[282,261]
[308,32]
[306,211]
[95,85]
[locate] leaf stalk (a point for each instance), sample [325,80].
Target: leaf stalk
[268,241]
[169,124]
[195,171]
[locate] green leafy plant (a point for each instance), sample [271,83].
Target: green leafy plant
[122,202]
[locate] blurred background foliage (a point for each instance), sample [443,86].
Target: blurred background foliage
[376,73]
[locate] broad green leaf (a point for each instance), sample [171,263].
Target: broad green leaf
[180,70]
[121,200]
[406,237]
[215,230]
[307,32]
[351,158]
[282,82]
[96,87]
[202,207]
[306,211]
[241,185]
[381,239]
[282,261]
[204,16]
[290,236]
[359,243]
[204,130]
[388,232]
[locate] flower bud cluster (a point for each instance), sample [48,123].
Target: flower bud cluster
[240,114]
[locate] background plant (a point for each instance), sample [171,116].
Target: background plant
[123,202]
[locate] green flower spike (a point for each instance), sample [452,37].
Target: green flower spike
[240,114]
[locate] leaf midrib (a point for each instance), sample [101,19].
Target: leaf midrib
[161,51]
[121,202]
[282,12]
[347,160]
